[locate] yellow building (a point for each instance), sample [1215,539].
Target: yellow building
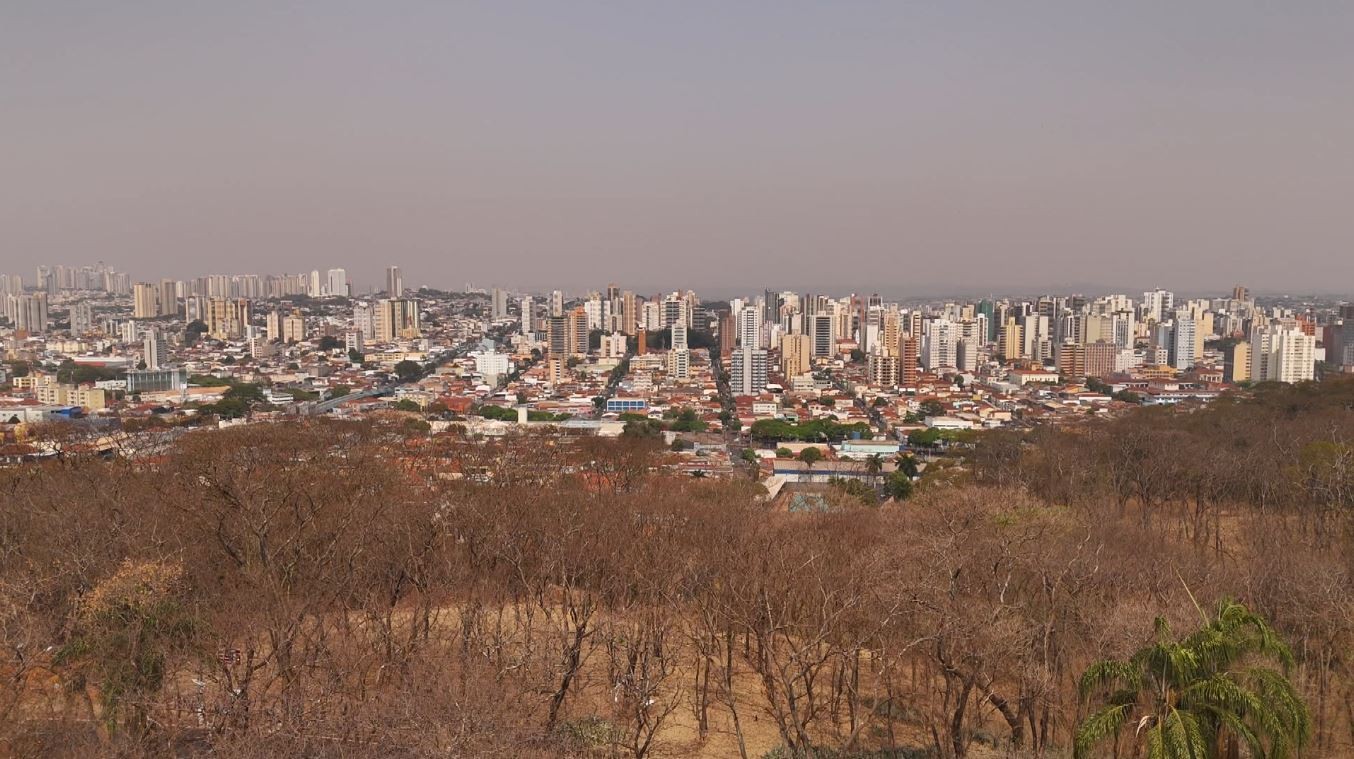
[795,352]
[1011,340]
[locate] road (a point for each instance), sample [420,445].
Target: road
[876,419]
[733,439]
[613,382]
[496,334]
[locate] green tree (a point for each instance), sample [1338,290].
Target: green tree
[1202,697]
[898,485]
[906,464]
[810,456]
[784,453]
[926,438]
[404,404]
[874,465]
[408,371]
[18,368]
[330,343]
[688,421]
[355,356]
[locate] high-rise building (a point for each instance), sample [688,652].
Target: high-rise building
[822,332]
[1184,341]
[1157,305]
[145,301]
[595,308]
[884,369]
[27,312]
[526,316]
[966,351]
[293,327]
[1236,362]
[679,336]
[272,324]
[747,371]
[82,318]
[1010,340]
[557,335]
[679,357]
[1282,353]
[577,331]
[498,301]
[728,335]
[675,308]
[153,351]
[749,327]
[909,348]
[1100,358]
[396,319]
[629,316]
[362,322]
[938,344]
[227,318]
[168,297]
[771,303]
[337,283]
[354,341]
[796,355]
[394,283]
[556,303]
[11,284]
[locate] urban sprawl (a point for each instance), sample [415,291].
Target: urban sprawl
[746,384]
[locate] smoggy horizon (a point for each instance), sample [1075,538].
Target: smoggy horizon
[911,150]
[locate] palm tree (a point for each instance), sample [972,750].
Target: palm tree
[873,466]
[1201,697]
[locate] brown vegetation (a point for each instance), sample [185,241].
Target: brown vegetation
[325,589]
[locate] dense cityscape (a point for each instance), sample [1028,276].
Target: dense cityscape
[853,375]
[669,380]
[264,515]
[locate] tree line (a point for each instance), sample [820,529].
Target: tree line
[345,588]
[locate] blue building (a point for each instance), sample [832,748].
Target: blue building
[624,405]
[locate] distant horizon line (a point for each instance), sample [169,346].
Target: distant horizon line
[916,291]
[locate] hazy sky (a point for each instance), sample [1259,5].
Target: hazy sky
[903,147]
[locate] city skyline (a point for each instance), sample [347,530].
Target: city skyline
[935,150]
[365,284]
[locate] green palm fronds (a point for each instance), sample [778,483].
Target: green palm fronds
[1189,698]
